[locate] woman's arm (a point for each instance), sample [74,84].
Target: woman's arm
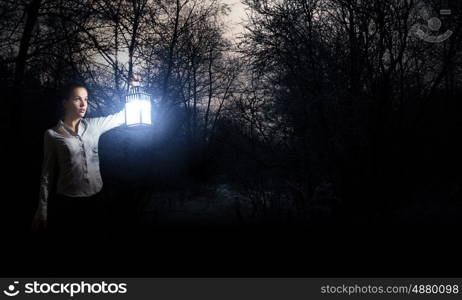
[106,123]
[47,177]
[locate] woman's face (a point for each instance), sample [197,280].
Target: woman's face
[76,105]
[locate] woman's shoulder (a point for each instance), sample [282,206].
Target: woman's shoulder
[49,135]
[53,132]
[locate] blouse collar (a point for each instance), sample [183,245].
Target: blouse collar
[80,129]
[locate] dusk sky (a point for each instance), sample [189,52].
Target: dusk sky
[236,17]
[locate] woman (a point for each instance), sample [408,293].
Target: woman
[70,187]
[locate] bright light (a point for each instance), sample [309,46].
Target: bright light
[138,112]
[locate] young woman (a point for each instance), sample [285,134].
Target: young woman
[70,186]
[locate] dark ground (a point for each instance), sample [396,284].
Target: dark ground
[187,234]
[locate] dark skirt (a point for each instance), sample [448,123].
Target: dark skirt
[69,217]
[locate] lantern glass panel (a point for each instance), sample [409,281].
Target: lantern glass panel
[138,107]
[145,107]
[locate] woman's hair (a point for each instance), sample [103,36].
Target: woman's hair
[69,87]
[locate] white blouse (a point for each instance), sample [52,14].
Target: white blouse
[71,162]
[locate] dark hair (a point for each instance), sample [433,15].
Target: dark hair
[69,87]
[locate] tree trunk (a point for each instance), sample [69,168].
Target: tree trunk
[32,16]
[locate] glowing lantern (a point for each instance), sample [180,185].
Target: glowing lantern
[137,106]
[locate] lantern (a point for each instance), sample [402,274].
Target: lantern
[137,106]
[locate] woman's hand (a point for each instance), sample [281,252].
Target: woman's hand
[38,225]
[135,80]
